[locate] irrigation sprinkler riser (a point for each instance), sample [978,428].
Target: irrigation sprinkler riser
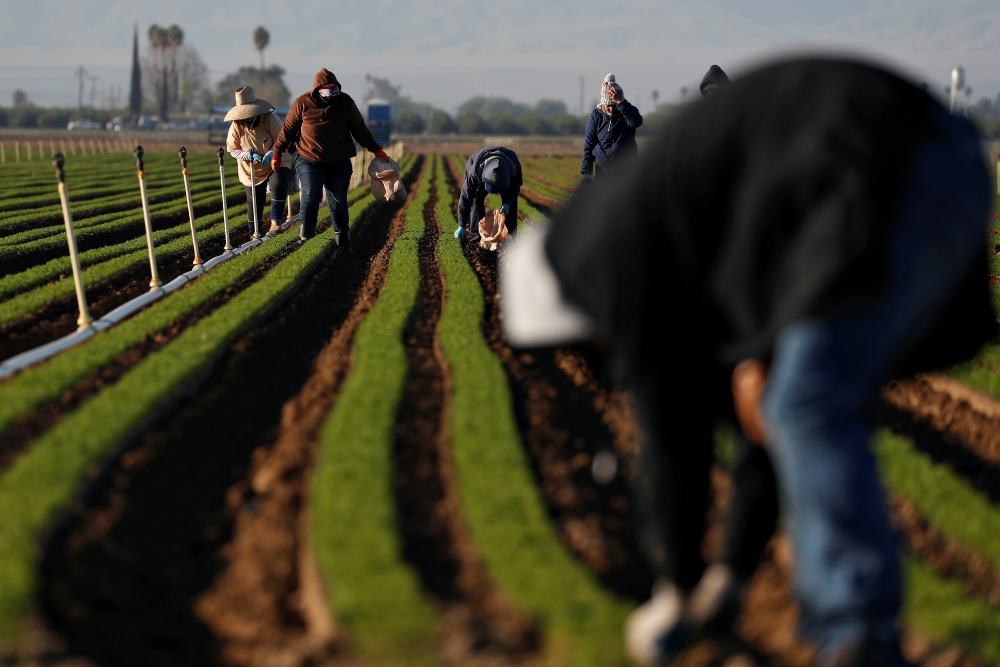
[155,282]
[84,320]
[225,202]
[187,193]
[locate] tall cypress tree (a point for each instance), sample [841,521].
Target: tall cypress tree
[135,91]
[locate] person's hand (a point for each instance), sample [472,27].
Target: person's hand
[618,96]
[275,161]
[267,158]
[382,154]
[255,156]
[505,209]
[460,233]
[748,384]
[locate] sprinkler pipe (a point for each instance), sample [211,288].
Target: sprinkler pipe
[83,322]
[155,282]
[187,193]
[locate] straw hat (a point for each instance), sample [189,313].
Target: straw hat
[247,105]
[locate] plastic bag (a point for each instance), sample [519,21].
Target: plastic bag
[493,230]
[385,183]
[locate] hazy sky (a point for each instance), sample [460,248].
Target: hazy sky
[445,51]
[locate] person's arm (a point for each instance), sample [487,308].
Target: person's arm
[290,130]
[631,115]
[589,141]
[234,143]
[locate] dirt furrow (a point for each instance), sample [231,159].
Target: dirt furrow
[124,572]
[58,318]
[23,432]
[951,423]
[478,620]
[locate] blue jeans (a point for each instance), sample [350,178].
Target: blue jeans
[826,371]
[335,177]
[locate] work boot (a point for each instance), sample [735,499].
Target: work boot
[275,228]
[343,241]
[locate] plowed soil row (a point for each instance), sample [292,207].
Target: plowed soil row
[58,317]
[23,432]
[478,620]
[26,259]
[123,572]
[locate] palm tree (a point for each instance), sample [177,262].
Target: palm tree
[159,38]
[175,37]
[261,37]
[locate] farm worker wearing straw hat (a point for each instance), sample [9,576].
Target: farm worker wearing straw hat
[811,233]
[252,134]
[493,170]
[610,133]
[324,124]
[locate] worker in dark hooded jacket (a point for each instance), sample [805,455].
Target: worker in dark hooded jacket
[323,124]
[610,133]
[493,170]
[714,79]
[818,229]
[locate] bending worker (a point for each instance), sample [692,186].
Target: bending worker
[494,170]
[610,133]
[817,230]
[251,137]
[324,124]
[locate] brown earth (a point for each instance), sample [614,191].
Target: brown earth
[123,571]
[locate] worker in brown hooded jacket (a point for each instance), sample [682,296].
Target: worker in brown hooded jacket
[323,124]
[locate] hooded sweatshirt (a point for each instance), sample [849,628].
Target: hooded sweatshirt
[713,77]
[325,131]
[771,203]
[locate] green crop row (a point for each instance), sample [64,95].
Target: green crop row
[499,497]
[96,211]
[126,186]
[111,171]
[936,606]
[17,283]
[16,308]
[43,480]
[30,389]
[372,592]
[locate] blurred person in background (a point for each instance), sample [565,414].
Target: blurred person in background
[610,133]
[323,124]
[491,170]
[713,80]
[780,252]
[252,133]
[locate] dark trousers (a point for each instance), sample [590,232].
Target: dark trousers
[278,184]
[335,177]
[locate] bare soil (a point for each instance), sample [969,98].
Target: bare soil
[123,572]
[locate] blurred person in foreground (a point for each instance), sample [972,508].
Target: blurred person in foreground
[780,251]
[491,170]
[253,130]
[323,124]
[610,133]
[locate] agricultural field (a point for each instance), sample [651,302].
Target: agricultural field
[313,456]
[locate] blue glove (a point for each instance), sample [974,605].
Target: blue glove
[254,156]
[267,158]
[460,233]
[505,209]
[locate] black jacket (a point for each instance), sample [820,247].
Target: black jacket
[473,188]
[754,208]
[609,138]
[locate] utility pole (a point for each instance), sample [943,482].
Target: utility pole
[93,89]
[81,73]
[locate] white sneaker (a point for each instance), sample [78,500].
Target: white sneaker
[654,633]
